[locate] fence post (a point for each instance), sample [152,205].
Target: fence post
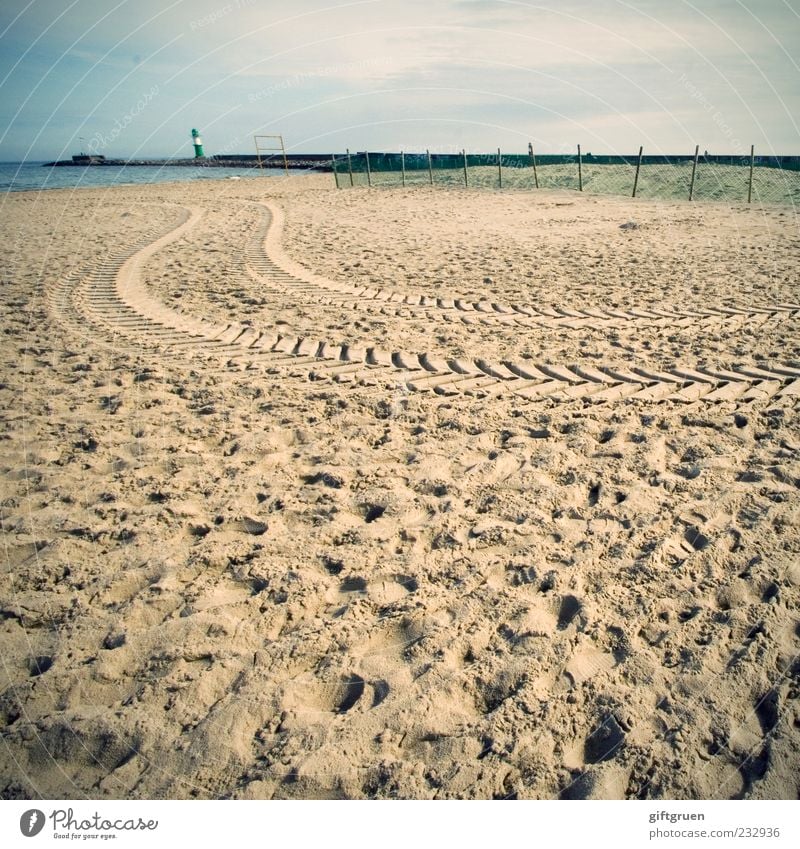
[403,166]
[335,172]
[464,154]
[580,172]
[499,168]
[638,166]
[750,186]
[694,171]
[533,160]
[430,167]
[350,166]
[369,173]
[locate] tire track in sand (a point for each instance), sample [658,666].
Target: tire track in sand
[108,302]
[268,263]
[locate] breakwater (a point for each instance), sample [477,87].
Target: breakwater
[299,161]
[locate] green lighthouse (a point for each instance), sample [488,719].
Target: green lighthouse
[198,144]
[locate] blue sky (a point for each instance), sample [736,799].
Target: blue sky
[131,78]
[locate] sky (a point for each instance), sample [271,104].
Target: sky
[131,79]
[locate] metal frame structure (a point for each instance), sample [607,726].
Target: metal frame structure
[262,148]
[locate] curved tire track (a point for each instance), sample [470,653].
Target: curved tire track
[110,300]
[268,262]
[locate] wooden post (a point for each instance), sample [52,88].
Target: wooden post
[285,160]
[430,166]
[533,160]
[694,171]
[750,186]
[499,168]
[638,166]
[403,166]
[580,172]
[464,154]
[350,166]
[335,172]
[369,173]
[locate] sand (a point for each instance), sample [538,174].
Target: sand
[417,493]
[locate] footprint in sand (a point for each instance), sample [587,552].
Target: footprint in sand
[311,700]
[354,584]
[39,665]
[568,611]
[351,691]
[587,662]
[605,741]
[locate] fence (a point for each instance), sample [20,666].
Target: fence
[747,179]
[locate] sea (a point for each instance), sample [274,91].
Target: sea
[36,176]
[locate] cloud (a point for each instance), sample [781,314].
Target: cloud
[483,71]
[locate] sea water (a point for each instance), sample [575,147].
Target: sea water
[34,176]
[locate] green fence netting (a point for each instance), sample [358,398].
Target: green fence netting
[711,178]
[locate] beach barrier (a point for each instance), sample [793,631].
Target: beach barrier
[695,177]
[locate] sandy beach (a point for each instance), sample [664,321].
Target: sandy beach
[398,493]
